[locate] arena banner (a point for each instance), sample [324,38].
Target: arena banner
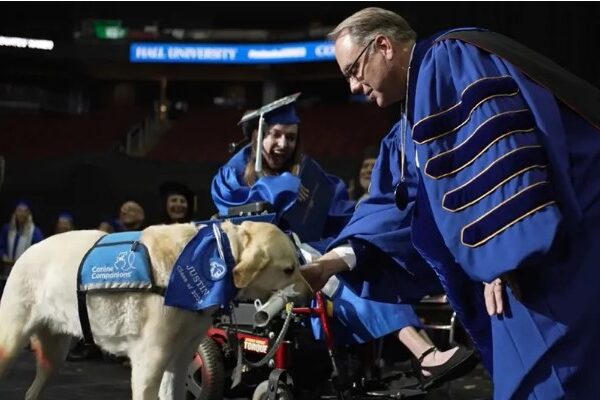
[211,53]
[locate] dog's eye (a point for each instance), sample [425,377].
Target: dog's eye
[288,270]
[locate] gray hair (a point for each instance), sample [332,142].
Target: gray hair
[365,24]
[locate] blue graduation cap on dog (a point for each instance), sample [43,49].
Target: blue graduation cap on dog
[281,111]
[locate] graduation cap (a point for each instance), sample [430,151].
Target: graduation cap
[65,215]
[23,203]
[170,187]
[281,111]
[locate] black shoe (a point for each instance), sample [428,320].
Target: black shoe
[461,363]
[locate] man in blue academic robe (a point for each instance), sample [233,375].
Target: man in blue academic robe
[496,163]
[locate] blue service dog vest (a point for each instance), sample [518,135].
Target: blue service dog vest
[117,262]
[201,276]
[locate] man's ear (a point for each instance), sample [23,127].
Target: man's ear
[253,260]
[384,45]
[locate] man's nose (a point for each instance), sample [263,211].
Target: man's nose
[355,86]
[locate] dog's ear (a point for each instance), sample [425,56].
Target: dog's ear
[253,260]
[238,238]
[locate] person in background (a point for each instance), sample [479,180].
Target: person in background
[18,235]
[179,202]
[360,191]
[64,223]
[131,217]
[236,183]
[107,226]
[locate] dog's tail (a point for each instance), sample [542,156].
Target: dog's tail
[15,327]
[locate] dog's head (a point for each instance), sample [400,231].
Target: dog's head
[265,258]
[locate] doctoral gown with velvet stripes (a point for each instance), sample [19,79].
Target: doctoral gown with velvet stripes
[509,185]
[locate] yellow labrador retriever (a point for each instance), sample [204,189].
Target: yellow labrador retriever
[40,300]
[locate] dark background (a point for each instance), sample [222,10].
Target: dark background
[92,184]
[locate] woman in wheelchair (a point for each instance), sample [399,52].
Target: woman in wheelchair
[285,185]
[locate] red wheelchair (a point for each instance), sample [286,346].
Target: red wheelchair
[275,357]
[248,354]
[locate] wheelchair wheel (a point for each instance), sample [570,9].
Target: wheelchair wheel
[262,390]
[206,373]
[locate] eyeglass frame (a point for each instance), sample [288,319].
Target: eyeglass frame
[348,74]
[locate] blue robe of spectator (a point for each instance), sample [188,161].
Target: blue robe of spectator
[18,235]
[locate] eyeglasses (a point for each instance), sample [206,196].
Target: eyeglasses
[349,72]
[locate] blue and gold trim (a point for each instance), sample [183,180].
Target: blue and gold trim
[450,120]
[512,210]
[502,170]
[485,135]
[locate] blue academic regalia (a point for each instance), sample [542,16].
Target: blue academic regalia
[356,320]
[509,184]
[228,188]
[10,249]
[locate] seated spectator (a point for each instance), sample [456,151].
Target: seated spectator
[18,235]
[360,191]
[107,225]
[178,202]
[279,183]
[64,223]
[131,217]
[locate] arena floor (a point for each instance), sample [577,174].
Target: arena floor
[95,380]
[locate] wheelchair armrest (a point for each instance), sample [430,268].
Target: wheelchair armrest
[249,209]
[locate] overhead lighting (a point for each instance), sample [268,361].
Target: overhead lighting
[38,44]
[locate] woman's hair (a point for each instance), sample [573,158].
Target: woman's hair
[27,226]
[292,166]
[365,24]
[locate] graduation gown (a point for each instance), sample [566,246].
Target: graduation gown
[355,319]
[228,189]
[508,184]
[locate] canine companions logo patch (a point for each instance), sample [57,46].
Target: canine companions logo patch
[217,269]
[117,261]
[125,261]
